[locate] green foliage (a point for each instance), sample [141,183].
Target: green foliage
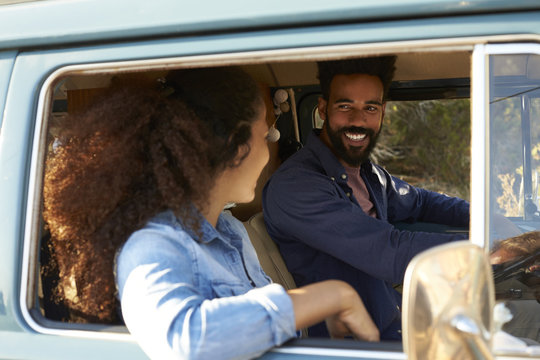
[429,144]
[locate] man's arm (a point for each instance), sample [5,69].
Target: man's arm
[412,204]
[311,209]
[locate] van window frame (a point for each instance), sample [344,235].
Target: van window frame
[30,271]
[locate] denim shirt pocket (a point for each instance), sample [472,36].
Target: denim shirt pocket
[222,289]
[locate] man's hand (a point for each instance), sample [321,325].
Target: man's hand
[516,246]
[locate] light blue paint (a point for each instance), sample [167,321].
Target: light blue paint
[63,21]
[192,28]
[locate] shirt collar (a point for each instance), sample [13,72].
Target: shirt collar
[207,232]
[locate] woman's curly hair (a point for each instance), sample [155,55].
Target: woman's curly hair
[137,151]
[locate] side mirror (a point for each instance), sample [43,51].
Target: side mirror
[448,298]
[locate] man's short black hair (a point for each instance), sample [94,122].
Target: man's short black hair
[383,67]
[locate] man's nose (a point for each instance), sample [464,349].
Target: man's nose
[357,117]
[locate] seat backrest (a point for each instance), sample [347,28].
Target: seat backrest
[267,252]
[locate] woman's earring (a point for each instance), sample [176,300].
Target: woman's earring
[273,134]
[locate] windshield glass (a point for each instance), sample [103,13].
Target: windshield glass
[514,128]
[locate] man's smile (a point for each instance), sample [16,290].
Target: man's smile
[354,136]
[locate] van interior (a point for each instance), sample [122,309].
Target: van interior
[419,76]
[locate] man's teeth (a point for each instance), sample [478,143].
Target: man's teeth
[355,137]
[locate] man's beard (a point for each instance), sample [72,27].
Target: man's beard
[353,156]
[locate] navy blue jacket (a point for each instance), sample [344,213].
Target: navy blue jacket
[323,233]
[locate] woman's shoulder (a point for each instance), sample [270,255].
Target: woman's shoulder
[159,244]
[162,233]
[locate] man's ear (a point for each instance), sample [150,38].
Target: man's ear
[321,106]
[383,110]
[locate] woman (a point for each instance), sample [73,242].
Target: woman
[158,167]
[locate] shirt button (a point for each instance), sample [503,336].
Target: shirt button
[343,176]
[332,178]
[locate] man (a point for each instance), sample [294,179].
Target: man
[330,209]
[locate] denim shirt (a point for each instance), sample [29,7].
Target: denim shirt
[323,233]
[190,297]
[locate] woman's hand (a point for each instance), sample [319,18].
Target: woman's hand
[354,321]
[338,304]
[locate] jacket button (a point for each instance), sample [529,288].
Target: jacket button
[349,194]
[332,178]
[343,176]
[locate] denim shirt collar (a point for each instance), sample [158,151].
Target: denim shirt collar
[329,162]
[208,232]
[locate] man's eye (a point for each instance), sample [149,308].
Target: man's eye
[344,107]
[372,108]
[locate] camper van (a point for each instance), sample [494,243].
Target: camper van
[467,73]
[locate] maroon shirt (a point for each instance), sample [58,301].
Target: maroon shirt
[360,190]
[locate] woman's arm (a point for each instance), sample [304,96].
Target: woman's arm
[336,302]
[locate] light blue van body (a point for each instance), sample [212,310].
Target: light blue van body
[40,38]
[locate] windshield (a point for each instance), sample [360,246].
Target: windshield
[514,128]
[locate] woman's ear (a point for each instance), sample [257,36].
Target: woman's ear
[243,151]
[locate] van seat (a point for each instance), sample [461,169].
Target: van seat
[267,252]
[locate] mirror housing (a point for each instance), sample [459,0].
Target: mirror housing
[448,299]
